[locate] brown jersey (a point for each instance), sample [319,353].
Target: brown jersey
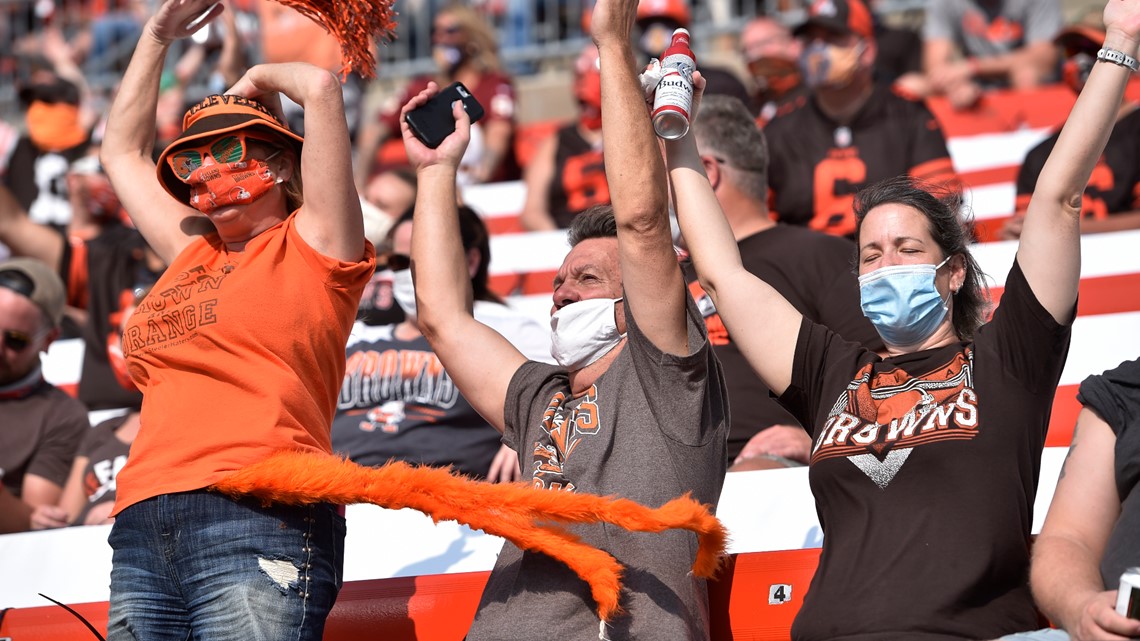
[817,164]
[579,177]
[1114,185]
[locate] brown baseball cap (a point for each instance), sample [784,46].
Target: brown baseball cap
[37,282]
[214,115]
[839,16]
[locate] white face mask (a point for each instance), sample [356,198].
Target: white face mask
[404,291]
[583,332]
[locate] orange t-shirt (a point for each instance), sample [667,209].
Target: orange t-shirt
[238,355]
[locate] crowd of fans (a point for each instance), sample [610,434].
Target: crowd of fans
[818,111]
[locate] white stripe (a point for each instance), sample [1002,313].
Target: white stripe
[994,151]
[998,200]
[496,200]
[1101,342]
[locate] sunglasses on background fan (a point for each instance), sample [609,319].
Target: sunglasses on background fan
[394,261]
[16,340]
[233,147]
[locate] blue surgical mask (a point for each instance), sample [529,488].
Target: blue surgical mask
[903,303]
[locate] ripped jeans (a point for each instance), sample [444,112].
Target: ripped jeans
[199,565]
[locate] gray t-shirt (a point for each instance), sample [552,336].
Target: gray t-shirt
[985,29]
[653,427]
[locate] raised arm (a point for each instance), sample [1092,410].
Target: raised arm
[128,142]
[741,298]
[330,220]
[1050,249]
[478,359]
[1065,573]
[651,276]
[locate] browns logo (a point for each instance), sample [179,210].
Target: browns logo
[565,434]
[878,420]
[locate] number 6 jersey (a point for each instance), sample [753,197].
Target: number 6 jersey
[817,164]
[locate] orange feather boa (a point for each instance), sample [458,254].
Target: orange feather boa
[513,511]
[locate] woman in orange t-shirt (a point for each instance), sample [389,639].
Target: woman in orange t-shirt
[238,349]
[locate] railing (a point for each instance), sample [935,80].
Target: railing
[532,33]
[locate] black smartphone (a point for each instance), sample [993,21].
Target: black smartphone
[432,121]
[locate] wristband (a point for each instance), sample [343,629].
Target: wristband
[1118,58]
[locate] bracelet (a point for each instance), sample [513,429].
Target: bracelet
[1118,58]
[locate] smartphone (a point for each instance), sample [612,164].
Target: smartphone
[432,121]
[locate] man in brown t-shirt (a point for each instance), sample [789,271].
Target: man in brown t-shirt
[41,426]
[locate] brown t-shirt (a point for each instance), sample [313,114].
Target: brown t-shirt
[41,427]
[924,469]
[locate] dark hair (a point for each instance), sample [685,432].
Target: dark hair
[596,222]
[725,128]
[474,235]
[951,230]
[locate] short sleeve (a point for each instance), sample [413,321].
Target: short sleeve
[1030,344]
[689,400]
[532,382]
[938,22]
[1043,20]
[1115,396]
[68,425]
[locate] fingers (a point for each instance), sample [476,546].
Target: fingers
[48,516]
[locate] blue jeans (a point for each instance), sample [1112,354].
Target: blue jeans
[199,565]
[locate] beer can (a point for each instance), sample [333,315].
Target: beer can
[674,94]
[671,105]
[1128,597]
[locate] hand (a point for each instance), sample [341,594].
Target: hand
[46,517]
[450,151]
[788,441]
[100,514]
[1011,230]
[964,95]
[253,84]
[698,93]
[504,467]
[1122,22]
[1100,622]
[949,74]
[612,21]
[177,19]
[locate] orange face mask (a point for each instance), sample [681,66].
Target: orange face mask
[220,175]
[54,126]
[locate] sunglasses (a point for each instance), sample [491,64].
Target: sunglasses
[16,340]
[232,147]
[393,261]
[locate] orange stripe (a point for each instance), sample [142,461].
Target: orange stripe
[988,230]
[1100,295]
[1064,417]
[499,225]
[541,282]
[932,169]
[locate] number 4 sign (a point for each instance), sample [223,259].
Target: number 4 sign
[779,593]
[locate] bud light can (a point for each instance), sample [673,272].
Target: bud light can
[674,94]
[1128,597]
